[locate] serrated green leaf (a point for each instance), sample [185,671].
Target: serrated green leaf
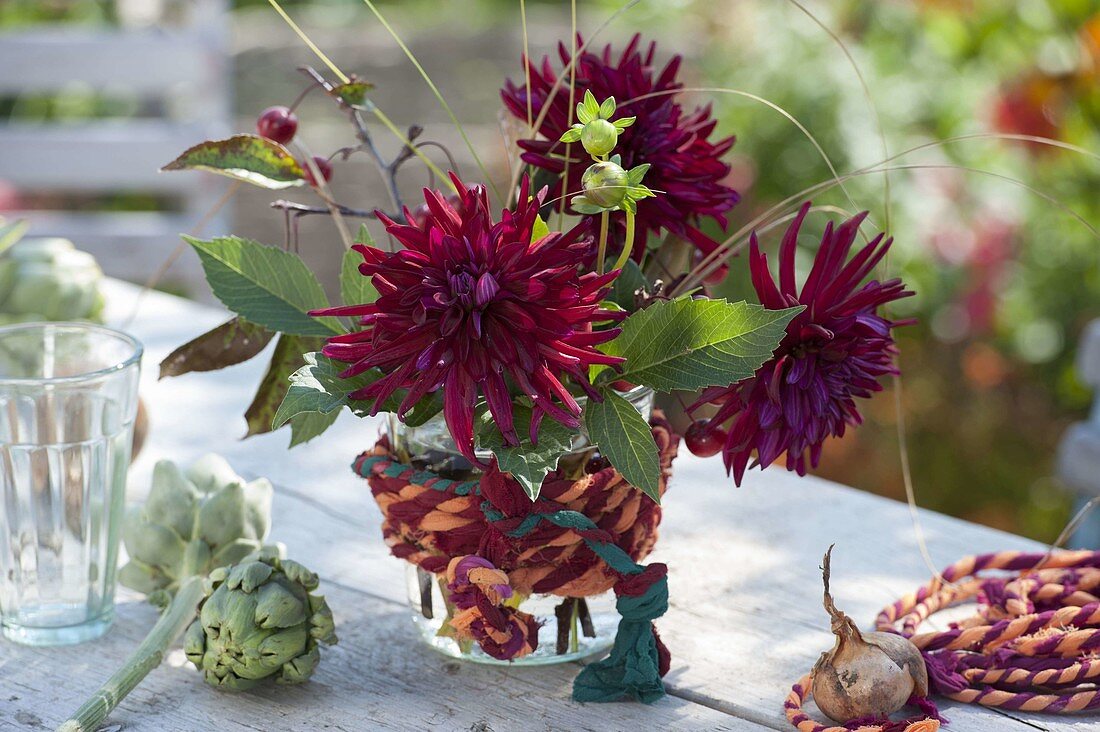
[250,158]
[304,427]
[286,360]
[318,387]
[690,344]
[626,440]
[228,344]
[265,285]
[355,287]
[527,463]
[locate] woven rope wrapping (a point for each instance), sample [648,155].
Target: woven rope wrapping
[429,520]
[580,538]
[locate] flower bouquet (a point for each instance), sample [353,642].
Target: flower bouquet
[515,336]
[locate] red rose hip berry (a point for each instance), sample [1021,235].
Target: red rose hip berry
[704,440]
[277,124]
[323,165]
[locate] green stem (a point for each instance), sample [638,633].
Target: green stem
[602,252]
[574,634]
[147,657]
[628,243]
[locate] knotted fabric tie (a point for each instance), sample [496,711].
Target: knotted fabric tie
[638,658]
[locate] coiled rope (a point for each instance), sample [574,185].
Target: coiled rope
[1032,643]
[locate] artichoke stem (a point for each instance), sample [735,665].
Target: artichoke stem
[147,657]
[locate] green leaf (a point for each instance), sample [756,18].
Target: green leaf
[363,236]
[318,387]
[527,463]
[228,344]
[588,109]
[267,286]
[573,134]
[622,124]
[539,230]
[626,440]
[250,158]
[423,410]
[287,358]
[353,92]
[607,109]
[690,344]
[355,287]
[629,281]
[583,206]
[634,175]
[304,427]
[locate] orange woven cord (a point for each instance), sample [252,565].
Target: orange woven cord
[429,520]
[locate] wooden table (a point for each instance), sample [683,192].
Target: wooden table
[745,619]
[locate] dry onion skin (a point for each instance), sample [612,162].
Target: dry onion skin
[864,674]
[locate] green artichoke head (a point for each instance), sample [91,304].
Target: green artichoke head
[259,620]
[192,523]
[49,279]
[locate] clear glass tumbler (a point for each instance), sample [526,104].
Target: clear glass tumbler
[68,397]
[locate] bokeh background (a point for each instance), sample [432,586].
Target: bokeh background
[1006,278]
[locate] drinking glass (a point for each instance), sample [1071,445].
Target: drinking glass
[68,398]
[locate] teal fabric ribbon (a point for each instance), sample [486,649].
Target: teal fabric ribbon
[633,669]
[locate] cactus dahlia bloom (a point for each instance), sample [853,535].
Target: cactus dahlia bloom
[476,308]
[687,166]
[834,352]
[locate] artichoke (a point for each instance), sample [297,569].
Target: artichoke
[192,523]
[257,621]
[49,279]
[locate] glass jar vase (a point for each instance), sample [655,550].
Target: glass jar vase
[570,627]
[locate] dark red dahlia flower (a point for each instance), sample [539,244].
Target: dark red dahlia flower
[687,166]
[834,352]
[474,307]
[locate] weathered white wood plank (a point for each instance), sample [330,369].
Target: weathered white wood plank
[746,618]
[148,62]
[378,677]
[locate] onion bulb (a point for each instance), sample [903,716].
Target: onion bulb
[865,674]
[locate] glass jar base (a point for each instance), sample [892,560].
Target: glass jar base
[544,655]
[570,629]
[58,635]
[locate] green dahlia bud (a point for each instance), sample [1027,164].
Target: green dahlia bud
[605,184]
[192,523]
[259,620]
[599,137]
